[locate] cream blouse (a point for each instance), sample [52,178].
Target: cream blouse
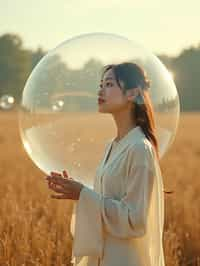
[120,222]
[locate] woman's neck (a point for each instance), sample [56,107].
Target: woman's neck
[124,123]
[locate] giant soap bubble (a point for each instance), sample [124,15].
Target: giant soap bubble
[59,122]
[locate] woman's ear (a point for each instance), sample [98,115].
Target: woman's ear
[132,94]
[131,98]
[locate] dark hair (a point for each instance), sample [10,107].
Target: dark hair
[130,75]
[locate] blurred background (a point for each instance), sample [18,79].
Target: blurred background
[34,229]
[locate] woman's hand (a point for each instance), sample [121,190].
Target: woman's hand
[66,186]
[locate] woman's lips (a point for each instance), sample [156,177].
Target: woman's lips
[100,101]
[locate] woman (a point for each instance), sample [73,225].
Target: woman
[120,222]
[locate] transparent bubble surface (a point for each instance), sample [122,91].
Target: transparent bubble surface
[60,125]
[6,102]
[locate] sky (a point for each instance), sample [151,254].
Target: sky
[164,27]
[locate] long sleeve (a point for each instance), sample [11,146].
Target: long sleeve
[124,218]
[127,218]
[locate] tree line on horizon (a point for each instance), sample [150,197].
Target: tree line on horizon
[16,64]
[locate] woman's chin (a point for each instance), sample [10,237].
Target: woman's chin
[101,109]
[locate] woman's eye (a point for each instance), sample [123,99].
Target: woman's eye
[108,83]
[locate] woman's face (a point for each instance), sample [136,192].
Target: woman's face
[114,100]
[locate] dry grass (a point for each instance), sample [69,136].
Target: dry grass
[34,229]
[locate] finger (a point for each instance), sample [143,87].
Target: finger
[56,189]
[55,174]
[48,178]
[58,181]
[63,196]
[65,174]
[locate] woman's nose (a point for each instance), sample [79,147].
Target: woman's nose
[100,92]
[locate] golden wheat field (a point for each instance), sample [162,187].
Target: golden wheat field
[35,229]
